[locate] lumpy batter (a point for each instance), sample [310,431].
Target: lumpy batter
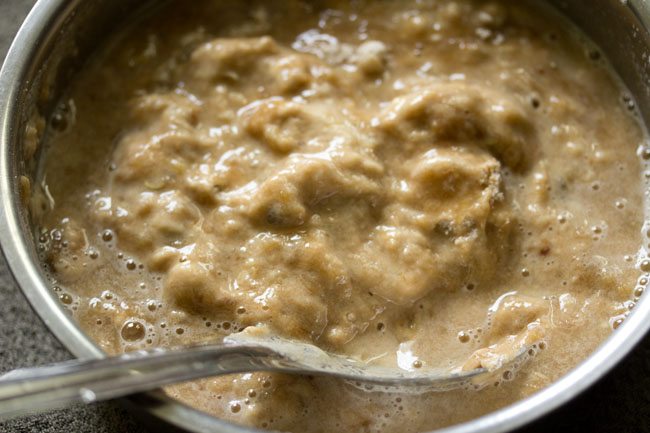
[417,183]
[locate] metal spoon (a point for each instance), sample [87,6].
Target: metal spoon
[38,389]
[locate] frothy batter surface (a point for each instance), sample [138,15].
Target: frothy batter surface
[413,183]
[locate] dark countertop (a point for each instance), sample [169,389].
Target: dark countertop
[618,403]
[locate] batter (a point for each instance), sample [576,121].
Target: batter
[416,183]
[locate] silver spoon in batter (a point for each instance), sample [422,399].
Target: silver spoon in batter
[31,390]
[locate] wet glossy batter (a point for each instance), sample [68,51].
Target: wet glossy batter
[417,183]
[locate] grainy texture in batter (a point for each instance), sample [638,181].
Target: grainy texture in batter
[415,183]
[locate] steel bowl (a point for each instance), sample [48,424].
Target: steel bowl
[59,35]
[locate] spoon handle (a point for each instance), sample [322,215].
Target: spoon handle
[38,389]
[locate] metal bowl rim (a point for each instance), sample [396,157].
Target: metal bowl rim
[15,246]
